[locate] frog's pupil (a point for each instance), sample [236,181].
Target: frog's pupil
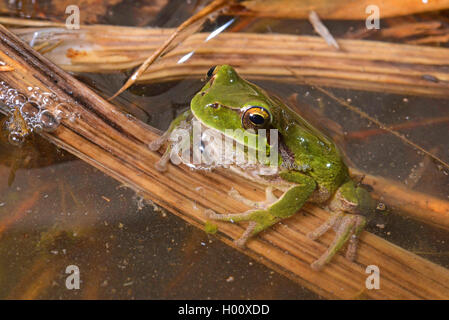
[256,119]
[211,71]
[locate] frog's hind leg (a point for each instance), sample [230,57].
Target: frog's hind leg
[254,226]
[270,198]
[287,205]
[326,226]
[347,229]
[346,206]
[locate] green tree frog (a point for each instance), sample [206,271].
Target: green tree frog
[309,167]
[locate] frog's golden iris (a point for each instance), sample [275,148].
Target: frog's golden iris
[255,117]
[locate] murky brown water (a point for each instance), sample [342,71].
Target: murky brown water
[62,212]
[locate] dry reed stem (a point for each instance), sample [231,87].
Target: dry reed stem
[361,64]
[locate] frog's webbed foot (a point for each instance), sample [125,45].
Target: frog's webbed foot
[347,228]
[270,198]
[259,220]
[326,226]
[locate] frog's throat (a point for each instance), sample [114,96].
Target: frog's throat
[222,135]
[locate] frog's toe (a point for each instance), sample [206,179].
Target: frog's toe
[259,220]
[161,165]
[241,242]
[230,217]
[359,225]
[234,194]
[328,224]
[351,251]
[157,143]
[210,214]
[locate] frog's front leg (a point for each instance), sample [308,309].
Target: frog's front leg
[180,121]
[287,205]
[345,219]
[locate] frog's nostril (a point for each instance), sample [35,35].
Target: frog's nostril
[213,105]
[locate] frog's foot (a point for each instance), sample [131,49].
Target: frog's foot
[347,228]
[155,145]
[270,198]
[259,220]
[329,223]
[170,154]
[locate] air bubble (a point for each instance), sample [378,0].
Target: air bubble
[48,121]
[10,94]
[33,113]
[38,128]
[36,95]
[15,138]
[48,99]
[29,109]
[19,99]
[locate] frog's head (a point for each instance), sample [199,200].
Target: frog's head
[228,103]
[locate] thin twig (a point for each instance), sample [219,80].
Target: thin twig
[202,14]
[382,126]
[374,120]
[362,134]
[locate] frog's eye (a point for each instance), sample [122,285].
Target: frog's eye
[210,73]
[255,117]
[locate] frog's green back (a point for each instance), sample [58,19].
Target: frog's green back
[310,147]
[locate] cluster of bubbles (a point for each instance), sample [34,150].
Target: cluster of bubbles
[40,111]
